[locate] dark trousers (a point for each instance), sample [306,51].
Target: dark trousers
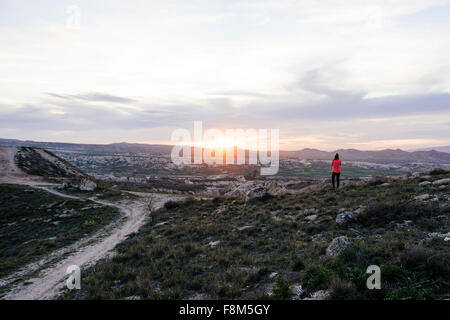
[336,176]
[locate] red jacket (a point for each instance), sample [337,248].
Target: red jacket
[336,164]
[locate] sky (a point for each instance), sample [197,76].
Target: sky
[328,74]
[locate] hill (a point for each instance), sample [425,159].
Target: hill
[387,155]
[30,165]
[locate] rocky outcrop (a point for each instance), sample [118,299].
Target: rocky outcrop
[337,246]
[87,185]
[257,193]
[347,216]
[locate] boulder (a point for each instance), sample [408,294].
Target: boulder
[256,193]
[319,295]
[345,217]
[213,244]
[87,185]
[133,298]
[424,183]
[311,218]
[297,291]
[337,246]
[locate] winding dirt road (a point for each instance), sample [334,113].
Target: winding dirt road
[51,270]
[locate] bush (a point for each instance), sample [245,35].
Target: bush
[171,205]
[343,290]
[282,289]
[317,277]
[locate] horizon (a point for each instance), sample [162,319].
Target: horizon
[171,144]
[353,75]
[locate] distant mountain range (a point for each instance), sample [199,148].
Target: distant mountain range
[441,149]
[387,155]
[89,148]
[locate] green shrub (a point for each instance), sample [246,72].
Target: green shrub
[317,277]
[281,290]
[343,290]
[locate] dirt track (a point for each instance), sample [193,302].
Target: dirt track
[52,279]
[51,270]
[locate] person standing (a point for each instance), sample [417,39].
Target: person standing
[336,170]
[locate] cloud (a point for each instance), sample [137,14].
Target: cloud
[94,97]
[319,68]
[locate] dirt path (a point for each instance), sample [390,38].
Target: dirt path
[10,173]
[52,279]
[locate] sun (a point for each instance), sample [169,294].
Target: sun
[216,144]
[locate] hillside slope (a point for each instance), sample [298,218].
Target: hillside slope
[27,165]
[308,246]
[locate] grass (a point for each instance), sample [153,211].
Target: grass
[190,248]
[34,222]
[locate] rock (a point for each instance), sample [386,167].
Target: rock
[133,298]
[87,185]
[337,245]
[219,211]
[319,295]
[311,218]
[198,296]
[297,291]
[269,289]
[425,183]
[256,193]
[387,184]
[312,210]
[345,217]
[273,275]
[422,197]
[65,185]
[246,228]
[441,181]
[440,235]
[318,237]
[213,244]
